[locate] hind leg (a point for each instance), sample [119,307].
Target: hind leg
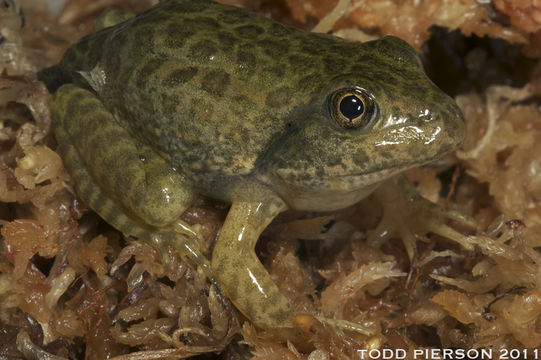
[127,184]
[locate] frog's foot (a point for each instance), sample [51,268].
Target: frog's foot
[184,240]
[406,213]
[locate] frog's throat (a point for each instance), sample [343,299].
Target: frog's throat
[330,193]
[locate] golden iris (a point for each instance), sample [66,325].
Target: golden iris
[351,108]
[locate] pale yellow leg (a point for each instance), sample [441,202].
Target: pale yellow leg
[240,273]
[406,213]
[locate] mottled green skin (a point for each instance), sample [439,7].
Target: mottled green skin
[237,105]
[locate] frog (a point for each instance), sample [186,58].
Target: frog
[192,97]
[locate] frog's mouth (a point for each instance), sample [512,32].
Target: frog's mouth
[351,182]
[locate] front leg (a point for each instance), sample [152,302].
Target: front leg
[238,270]
[406,213]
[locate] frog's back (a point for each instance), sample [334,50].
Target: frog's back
[211,87]
[187,72]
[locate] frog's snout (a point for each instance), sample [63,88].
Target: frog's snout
[447,130]
[455,124]
[445,117]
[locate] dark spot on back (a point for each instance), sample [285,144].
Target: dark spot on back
[273,48]
[311,47]
[180,76]
[226,39]
[246,63]
[299,60]
[145,72]
[202,51]
[248,31]
[176,36]
[208,23]
[216,82]
[276,71]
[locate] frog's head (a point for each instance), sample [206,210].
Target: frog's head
[379,117]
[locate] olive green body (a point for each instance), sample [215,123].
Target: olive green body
[197,97]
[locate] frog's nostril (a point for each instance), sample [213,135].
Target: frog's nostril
[425,115]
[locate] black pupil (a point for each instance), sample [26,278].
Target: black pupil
[351,107]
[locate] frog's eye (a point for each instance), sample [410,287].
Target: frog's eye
[352,108]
